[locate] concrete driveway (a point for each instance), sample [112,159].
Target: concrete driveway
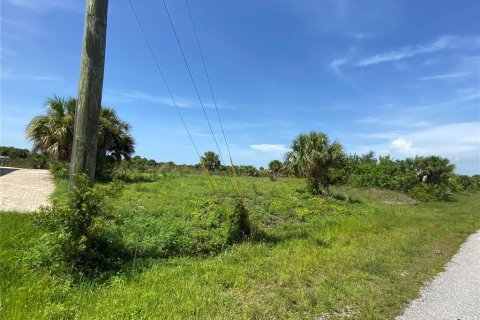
[24,190]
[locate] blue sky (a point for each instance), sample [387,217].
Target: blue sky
[395,77]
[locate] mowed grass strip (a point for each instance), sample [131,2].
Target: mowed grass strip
[363,259]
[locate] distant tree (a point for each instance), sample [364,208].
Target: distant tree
[368,157]
[210,161]
[52,133]
[436,169]
[247,170]
[275,166]
[13,152]
[312,156]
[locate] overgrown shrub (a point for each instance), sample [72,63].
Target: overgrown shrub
[156,236]
[78,239]
[60,170]
[239,225]
[424,178]
[423,192]
[213,225]
[468,183]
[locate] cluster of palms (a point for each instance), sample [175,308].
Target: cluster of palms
[52,133]
[312,154]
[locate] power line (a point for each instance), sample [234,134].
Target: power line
[211,90]
[163,76]
[170,92]
[191,78]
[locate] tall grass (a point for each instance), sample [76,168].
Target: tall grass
[318,258]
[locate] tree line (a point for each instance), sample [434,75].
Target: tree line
[312,156]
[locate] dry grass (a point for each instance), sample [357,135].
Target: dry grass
[375,194]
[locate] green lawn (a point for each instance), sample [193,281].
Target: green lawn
[364,256]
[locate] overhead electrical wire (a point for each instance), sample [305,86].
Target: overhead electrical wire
[211,92]
[191,77]
[168,89]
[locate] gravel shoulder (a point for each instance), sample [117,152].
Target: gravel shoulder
[455,293]
[24,190]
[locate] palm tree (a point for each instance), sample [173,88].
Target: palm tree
[210,161]
[312,156]
[114,138]
[52,133]
[275,166]
[435,168]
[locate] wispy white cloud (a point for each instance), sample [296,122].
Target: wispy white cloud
[47,5]
[468,91]
[436,107]
[127,96]
[14,76]
[398,121]
[19,29]
[238,125]
[182,102]
[336,64]
[446,76]
[382,135]
[402,116]
[270,148]
[443,42]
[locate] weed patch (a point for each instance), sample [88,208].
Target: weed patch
[311,256]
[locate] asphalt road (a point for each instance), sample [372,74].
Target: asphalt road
[455,293]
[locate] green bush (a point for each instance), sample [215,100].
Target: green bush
[213,225]
[32,161]
[423,192]
[78,236]
[239,225]
[60,170]
[444,192]
[469,183]
[23,158]
[149,236]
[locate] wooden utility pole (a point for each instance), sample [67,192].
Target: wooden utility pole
[90,87]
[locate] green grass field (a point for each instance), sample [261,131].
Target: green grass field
[361,255]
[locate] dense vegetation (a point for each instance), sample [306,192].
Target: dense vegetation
[150,226]
[22,158]
[424,178]
[362,253]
